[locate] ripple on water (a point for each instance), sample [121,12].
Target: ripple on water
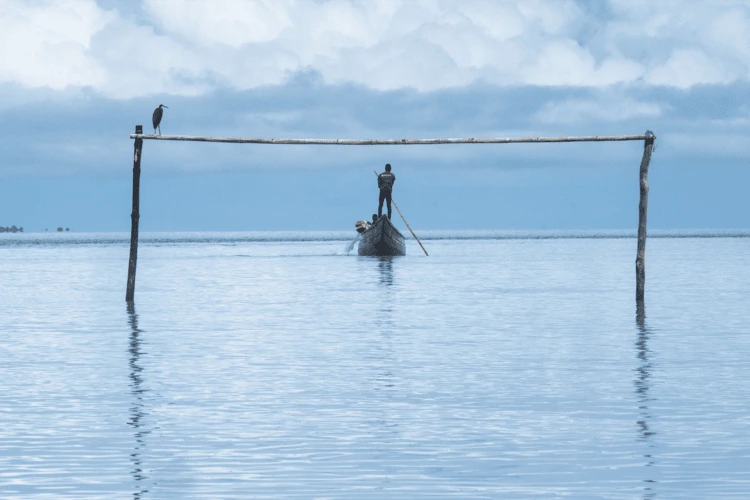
[503,368]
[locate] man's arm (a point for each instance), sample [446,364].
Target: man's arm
[380,181]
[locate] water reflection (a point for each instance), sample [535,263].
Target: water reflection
[641,382]
[387,298]
[385,265]
[138,409]
[385,322]
[383,358]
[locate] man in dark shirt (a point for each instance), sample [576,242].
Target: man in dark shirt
[385,183]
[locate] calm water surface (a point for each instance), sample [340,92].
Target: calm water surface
[254,368]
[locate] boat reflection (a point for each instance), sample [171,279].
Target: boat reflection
[384,318]
[138,409]
[383,363]
[641,382]
[385,323]
[385,266]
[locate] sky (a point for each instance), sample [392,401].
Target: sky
[77,76]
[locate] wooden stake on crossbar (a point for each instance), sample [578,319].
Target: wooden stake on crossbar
[135,215]
[640,258]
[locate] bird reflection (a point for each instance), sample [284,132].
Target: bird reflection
[137,410]
[641,382]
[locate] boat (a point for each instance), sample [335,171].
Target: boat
[380,238]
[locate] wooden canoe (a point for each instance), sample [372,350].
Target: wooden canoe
[382,238]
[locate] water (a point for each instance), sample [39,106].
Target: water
[281,367]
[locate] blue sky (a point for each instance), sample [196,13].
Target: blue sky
[77,76]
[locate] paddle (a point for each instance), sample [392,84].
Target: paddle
[407,224]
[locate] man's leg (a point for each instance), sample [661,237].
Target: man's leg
[388,199]
[380,204]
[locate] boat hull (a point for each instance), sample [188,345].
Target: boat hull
[382,238]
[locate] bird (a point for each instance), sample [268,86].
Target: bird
[156,118]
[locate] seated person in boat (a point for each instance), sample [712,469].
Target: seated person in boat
[363,225]
[385,183]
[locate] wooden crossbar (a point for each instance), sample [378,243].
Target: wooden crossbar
[392,142]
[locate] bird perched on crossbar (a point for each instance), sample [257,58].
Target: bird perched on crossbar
[156,118]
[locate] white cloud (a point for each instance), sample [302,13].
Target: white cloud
[229,22]
[688,67]
[684,43]
[563,62]
[610,109]
[191,47]
[48,45]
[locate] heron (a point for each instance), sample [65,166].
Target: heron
[156,118]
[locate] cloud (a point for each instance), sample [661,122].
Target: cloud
[612,109]
[184,47]
[567,63]
[688,67]
[48,44]
[149,63]
[89,133]
[233,23]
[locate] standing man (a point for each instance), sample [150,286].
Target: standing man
[385,183]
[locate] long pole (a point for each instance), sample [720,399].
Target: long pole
[640,259]
[135,215]
[390,142]
[407,224]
